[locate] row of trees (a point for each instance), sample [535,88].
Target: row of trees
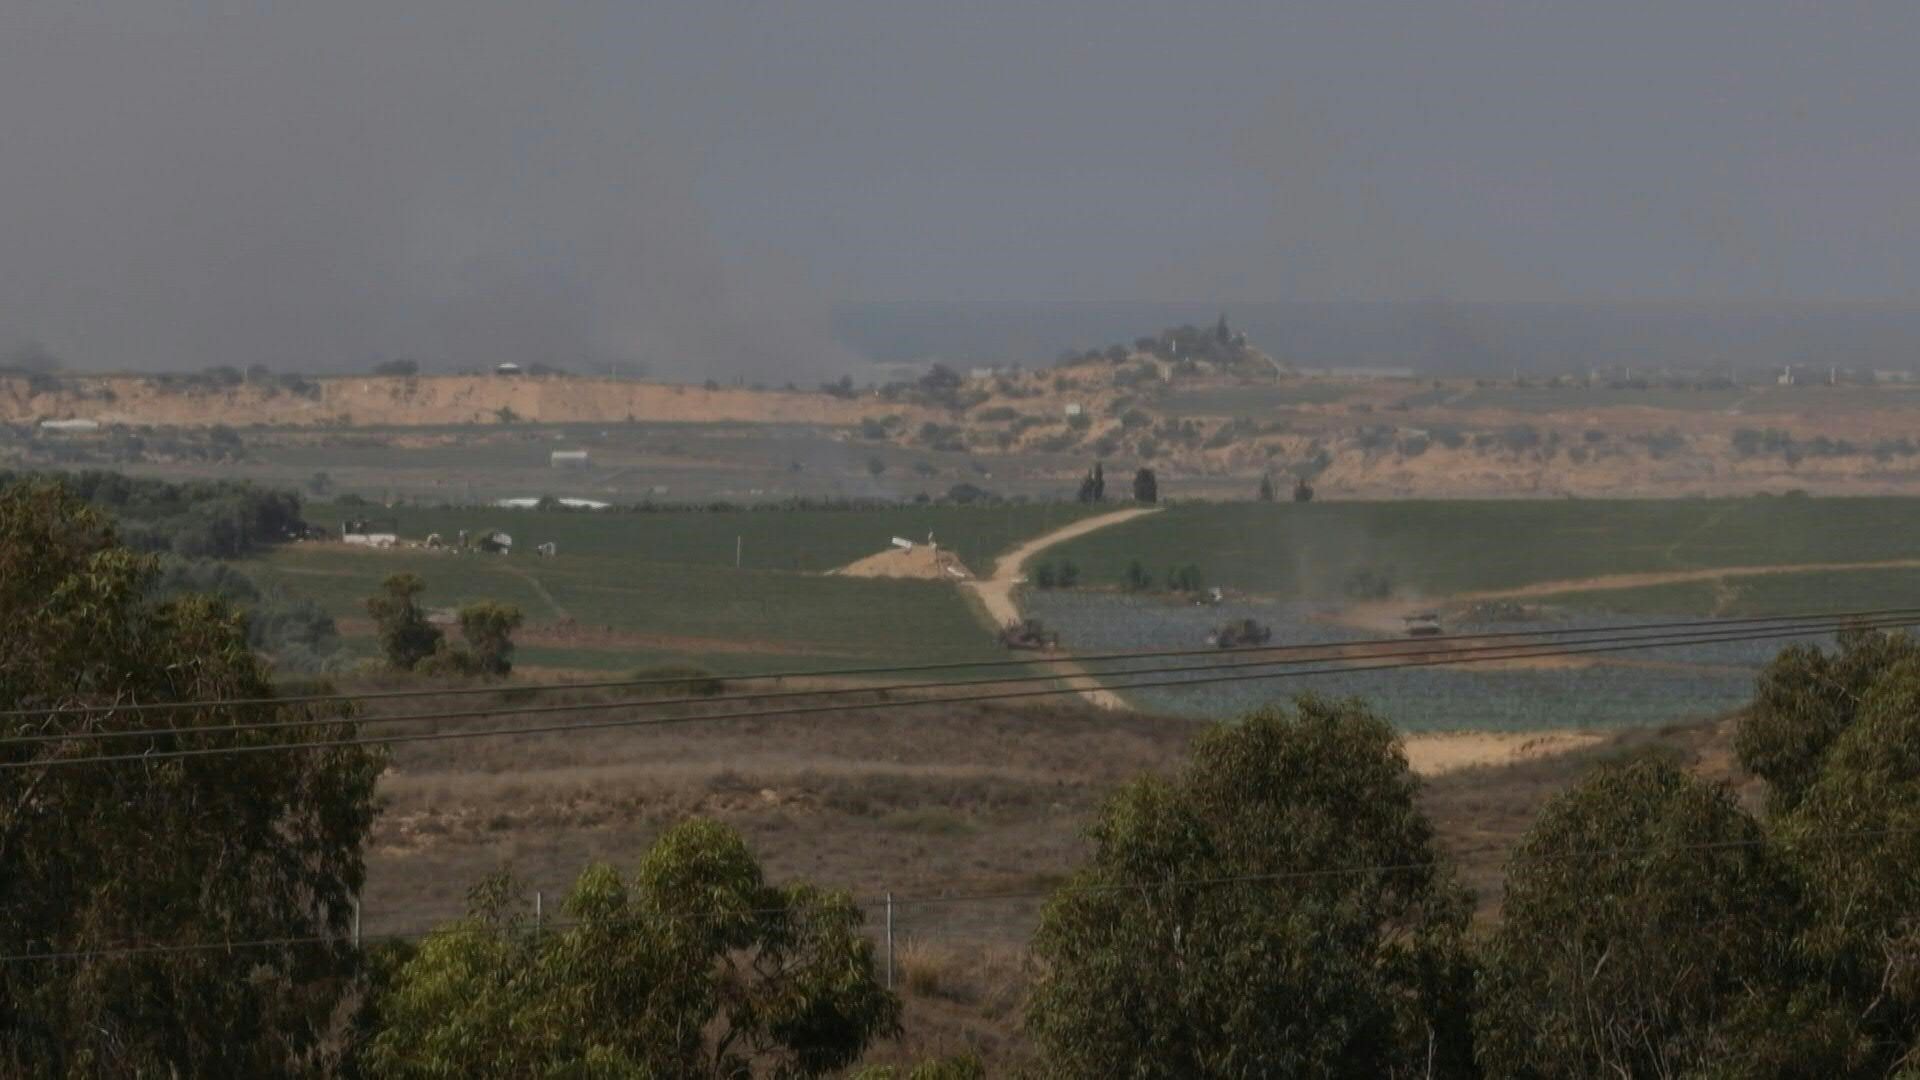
[1280,907]
[411,642]
[1093,486]
[217,519]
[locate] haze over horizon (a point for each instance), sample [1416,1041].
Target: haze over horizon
[695,188]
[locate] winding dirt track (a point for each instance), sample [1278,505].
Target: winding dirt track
[1678,577]
[996,591]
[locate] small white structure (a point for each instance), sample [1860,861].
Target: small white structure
[903,544]
[69,425]
[568,459]
[1786,377]
[370,533]
[508,368]
[1073,408]
[529,503]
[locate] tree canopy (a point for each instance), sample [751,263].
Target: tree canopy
[1854,835]
[1805,699]
[692,967]
[406,637]
[183,852]
[1646,927]
[1276,909]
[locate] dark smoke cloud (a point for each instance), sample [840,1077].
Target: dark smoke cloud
[319,186]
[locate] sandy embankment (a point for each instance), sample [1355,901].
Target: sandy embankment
[430,401]
[1434,753]
[923,562]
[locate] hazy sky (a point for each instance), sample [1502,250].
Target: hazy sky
[323,184]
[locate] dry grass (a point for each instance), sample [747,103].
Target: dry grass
[917,802]
[1481,813]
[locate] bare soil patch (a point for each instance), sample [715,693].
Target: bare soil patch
[922,561]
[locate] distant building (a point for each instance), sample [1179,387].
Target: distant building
[69,425]
[568,459]
[1073,408]
[508,368]
[1786,377]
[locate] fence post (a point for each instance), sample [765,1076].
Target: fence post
[889,941]
[356,924]
[537,913]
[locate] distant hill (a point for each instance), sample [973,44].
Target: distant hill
[1431,338]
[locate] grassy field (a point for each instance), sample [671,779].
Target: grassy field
[1769,594]
[805,541]
[1439,548]
[603,612]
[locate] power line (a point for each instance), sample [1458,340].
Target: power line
[1392,647]
[949,665]
[1068,888]
[1551,650]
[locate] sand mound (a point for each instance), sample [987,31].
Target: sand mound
[1433,753]
[923,562]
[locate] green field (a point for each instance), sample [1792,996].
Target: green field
[1771,594]
[1438,548]
[627,613]
[805,540]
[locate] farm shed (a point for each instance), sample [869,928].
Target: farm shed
[568,459]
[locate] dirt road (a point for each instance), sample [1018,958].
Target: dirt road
[1678,577]
[996,591]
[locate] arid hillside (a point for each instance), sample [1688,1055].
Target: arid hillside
[428,401]
[1207,430]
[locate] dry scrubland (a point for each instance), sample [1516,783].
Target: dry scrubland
[1207,431]
[920,802]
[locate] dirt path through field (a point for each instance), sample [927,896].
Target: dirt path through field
[540,590]
[996,591]
[1677,577]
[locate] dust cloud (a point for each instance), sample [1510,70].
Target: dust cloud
[320,187]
